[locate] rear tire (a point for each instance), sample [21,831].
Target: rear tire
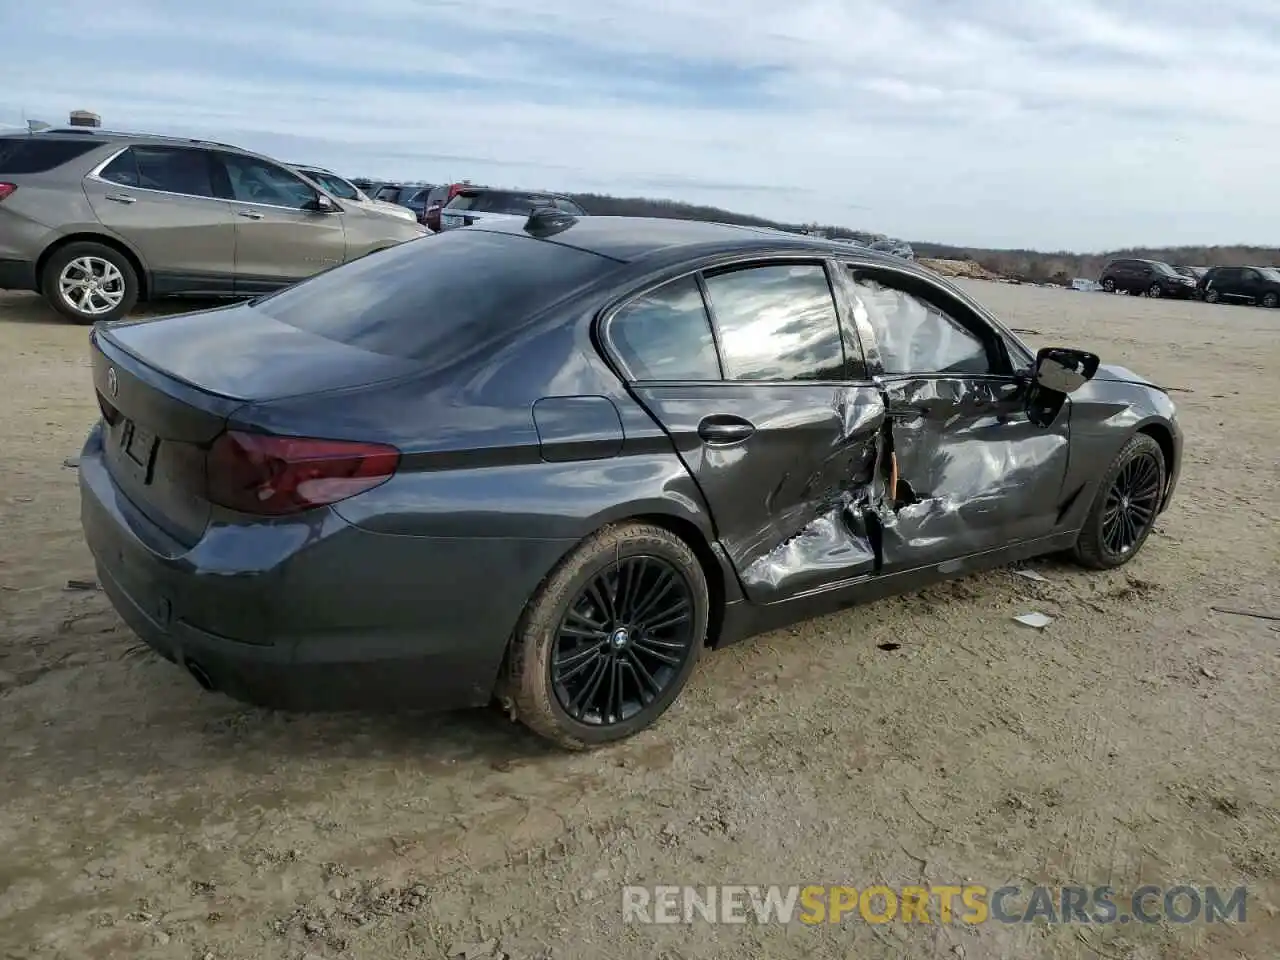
[1124,508]
[1212,296]
[1109,285]
[87,282]
[593,618]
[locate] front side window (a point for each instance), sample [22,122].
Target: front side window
[665,334]
[257,181]
[914,335]
[777,322]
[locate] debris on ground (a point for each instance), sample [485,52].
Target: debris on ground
[1256,614]
[82,585]
[1032,575]
[1033,619]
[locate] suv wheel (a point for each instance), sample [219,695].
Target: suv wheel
[1212,296]
[87,282]
[1154,290]
[1109,285]
[1269,300]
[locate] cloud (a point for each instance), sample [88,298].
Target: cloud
[1082,125]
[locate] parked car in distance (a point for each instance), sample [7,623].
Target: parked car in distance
[1155,278]
[1195,273]
[436,198]
[348,192]
[895,248]
[548,461]
[411,195]
[1259,285]
[472,205]
[97,221]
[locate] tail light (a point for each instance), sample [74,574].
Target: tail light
[7,189]
[275,476]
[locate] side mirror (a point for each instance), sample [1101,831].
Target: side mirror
[1058,372]
[321,204]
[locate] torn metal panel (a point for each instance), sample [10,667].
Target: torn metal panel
[820,536]
[975,472]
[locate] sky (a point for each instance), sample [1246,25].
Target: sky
[1053,124]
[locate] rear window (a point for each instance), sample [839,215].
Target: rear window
[439,298]
[38,154]
[496,201]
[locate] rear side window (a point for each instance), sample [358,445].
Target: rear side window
[40,155]
[438,300]
[777,322]
[665,334]
[167,169]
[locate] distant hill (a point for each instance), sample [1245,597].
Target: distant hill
[1032,266]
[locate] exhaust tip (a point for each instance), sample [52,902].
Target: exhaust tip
[200,676]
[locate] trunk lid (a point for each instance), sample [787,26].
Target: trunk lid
[167,388]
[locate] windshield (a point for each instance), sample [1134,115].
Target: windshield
[1165,269]
[334,184]
[1271,273]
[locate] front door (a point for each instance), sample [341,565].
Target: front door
[161,201]
[778,434]
[974,474]
[278,240]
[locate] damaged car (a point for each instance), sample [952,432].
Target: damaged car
[549,462]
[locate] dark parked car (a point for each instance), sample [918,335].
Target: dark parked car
[1155,278]
[549,461]
[411,195]
[1260,285]
[436,198]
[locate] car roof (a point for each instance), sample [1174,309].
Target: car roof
[630,238]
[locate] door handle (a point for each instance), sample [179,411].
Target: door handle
[121,198]
[249,214]
[725,429]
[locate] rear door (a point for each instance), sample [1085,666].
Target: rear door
[277,240]
[779,426]
[975,474]
[161,200]
[1228,282]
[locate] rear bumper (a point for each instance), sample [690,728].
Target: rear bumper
[332,617]
[18,275]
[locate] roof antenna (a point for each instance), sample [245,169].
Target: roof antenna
[545,220]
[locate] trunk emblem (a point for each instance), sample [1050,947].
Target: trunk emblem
[113,382]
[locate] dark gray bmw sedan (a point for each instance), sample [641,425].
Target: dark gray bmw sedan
[548,462]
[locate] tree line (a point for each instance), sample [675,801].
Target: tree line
[1030,266]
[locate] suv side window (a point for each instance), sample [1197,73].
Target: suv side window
[257,181]
[35,154]
[165,169]
[777,322]
[916,336]
[665,334]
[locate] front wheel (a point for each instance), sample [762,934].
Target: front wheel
[1269,300]
[1124,510]
[87,282]
[1212,296]
[610,638]
[1154,290]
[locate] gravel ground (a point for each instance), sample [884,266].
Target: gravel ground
[1132,741]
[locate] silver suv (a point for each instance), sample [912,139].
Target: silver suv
[97,221]
[479,204]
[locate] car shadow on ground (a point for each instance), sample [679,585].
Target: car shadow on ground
[33,308]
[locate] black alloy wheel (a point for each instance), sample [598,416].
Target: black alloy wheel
[1212,296]
[1269,300]
[1125,508]
[623,640]
[1154,290]
[1109,285]
[610,638]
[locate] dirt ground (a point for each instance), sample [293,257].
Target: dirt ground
[1132,741]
